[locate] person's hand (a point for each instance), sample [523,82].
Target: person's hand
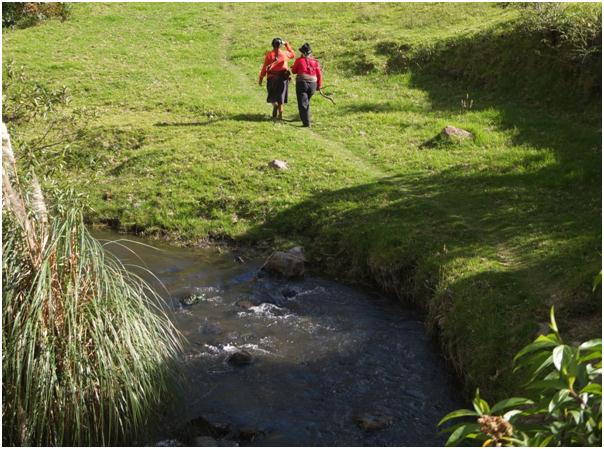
[260,82]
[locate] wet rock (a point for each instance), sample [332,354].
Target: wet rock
[240,358]
[451,132]
[190,300]
[248,434]
[289,264]
[245,304]
[278,164]
[202,427]
[205,441]
[169,443]
[288,292]
[370,422]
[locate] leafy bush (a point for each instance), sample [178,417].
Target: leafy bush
[26,14]
[562,405]
[575,30]
[550,53]
[87,352]
[29,105]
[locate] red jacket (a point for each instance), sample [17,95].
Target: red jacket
[278,63]
[308,66]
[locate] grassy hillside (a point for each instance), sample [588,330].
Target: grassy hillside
[483,235]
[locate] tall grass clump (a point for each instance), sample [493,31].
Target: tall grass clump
[87,352]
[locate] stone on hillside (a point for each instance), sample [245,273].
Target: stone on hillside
[372,421]
[278,165]
[451,132]
[240,358]
[289,264]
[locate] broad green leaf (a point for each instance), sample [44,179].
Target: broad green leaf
[562,355]
[541,342]
[510,403]
[511,413]
[559,398]
[457,414]
[593,388]
[461,432]
[591,344]
[576,414]
[591,356]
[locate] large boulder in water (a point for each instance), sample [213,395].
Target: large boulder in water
[289,264]
[240,358]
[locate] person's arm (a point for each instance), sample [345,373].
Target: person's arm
[319,75]
[264,69]
[296,66]
[289,51]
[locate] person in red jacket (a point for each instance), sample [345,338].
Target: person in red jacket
[308,79]
[277,75]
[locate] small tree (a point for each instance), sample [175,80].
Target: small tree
[562,404]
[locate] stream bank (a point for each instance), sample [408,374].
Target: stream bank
[275,362]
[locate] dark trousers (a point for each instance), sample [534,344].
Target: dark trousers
[304,91]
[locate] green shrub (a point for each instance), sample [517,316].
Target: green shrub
[87,351]
[44,125]
[562,405]
[551,53]
[26,14]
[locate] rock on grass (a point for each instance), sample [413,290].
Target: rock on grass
[451,132]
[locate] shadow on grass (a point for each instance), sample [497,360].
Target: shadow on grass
[377,106]
[484,254]
[231,117]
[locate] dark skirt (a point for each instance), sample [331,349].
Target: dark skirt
[276,86]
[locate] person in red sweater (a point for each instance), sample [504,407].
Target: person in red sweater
[277,75]
[308,79]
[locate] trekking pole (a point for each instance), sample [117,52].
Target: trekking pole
[328,97]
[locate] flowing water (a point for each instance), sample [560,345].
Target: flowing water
[323,353]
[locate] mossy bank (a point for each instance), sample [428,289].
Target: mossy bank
[483,235]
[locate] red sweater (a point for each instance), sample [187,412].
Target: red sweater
[308,66]
[278,63]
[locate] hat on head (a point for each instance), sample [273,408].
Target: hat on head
[305,49]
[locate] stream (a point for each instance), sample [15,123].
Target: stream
[327,359]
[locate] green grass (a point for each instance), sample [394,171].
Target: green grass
[483,236]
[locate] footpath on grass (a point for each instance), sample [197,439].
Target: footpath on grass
[482,236]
